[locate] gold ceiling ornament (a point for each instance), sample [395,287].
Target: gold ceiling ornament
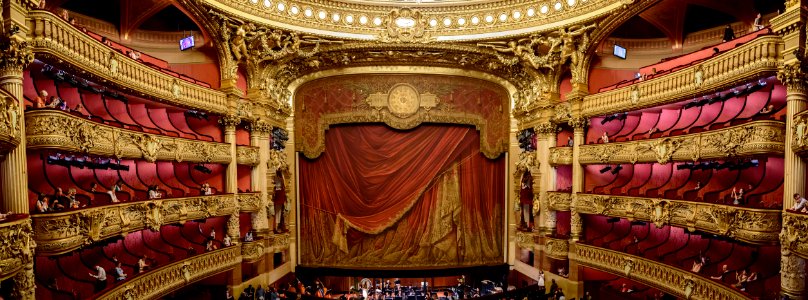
[405,25]
[402,100]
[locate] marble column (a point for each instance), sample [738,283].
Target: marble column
[14,168]
[546,139]
[231,181]
[579,130]
[259,137]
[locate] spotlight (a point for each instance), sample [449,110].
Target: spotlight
[196,114]
[202,169]
[605,169]
[617,169]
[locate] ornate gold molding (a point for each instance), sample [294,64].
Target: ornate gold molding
[249,202]
[754,59]
[675,281]
[440,21]
[556,248]
[10,121]
[247,155]
[560,156]
[793,239]
[253,251]
[62,232]
[755,226]
[53,129]
[278,242]
[526,239]
[16,247]
[52,37]
[559,201]
[166,279]
[758,137]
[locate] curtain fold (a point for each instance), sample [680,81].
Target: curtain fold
[389,197]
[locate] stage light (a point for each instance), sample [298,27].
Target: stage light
[605,169]
[202,169]
[617,169]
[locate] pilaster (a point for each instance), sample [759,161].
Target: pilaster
[578,125]
[792,276]
[546,133]
[230,122]
[259,137]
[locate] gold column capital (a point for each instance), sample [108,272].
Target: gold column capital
[578,123]
[546,129]
[15,52]
[793,76]
[230,121]
[259,127]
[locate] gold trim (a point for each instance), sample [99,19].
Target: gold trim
[247,155]
[54,129]
[10,122]
[675,281]
[755,226]
[556,248]
[757,58]
[62,232]
[753,138]
[166,279]
[559,201]
[16,251]
[253,251]
[249,202]
[52,37]
[793,238]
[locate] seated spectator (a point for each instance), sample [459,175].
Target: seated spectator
[142,265]
[3,216]
[226,241]
[78,109]
[114,189]
[105,41]
[154,193]
[767,110]
[59,200]
[248,237]
[624,288]
[724,271]
[799,203]
[119,274]
[64,14]
[42,204]
[205,189]
[210,246]
[134,54]
[71,198]
[605,137]
[191,251]
[39,101]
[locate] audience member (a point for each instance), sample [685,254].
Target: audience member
[205,189]
[142,264]
[154,193]
[210,246]
[106,41]
[716,51]
[114,189]
[3,216]
[119,274]
[605,137]
[42,204]
[101,279]
[248,237]
[134,55]
[758,24]
[737,196]
[260,294]
[724,271]
[39,101]
[799,203]
[71,198]
[540,280]
[729,34]
[64,14]
[768,109]
[42,4]
[226,241]
[570,141]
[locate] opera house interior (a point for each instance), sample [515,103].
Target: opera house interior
[403,149]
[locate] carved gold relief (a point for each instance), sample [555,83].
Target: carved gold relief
[9,122]
[559,201]
[247,155]
[168,278]
[793,239]
[757,226]
[249,202]
[50,129]
[58,233]
[556,248]
[677,282]
[16,249]
[758,137]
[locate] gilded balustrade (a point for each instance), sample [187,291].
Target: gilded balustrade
[253,251]
[559,201]
[247,155]
[53,37]
[54,129]
[249,202]
[757,58]
[560,156]
[755,226]
[165,279]
[753,138]
[62,232]
[526,239]
[677,282]
[793,238]
[16,249]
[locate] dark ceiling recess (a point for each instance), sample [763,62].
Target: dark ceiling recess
[699,18]
[105,10]
[768,6]
[169,19]
[638,28]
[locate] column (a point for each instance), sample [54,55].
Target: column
[259,137]
[578,125]
[546,139]
[14,57]
[792,276]
[230,122]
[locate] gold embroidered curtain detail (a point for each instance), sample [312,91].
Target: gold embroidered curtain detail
[385,197]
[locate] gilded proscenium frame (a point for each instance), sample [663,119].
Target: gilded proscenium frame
[247,155]
[62,232]
[54,39]
[13,252]
[753,138]
[54,129]
[165,279]
[755,59]
[545,17]
[675,281]
[754,226]
[793,238]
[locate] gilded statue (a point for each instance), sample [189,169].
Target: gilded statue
[571,47]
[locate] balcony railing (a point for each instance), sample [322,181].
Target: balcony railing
[249,202]
[756,226]
[54,129]
[677,282]
[758,137]
[15,251]
[166,279]
[756,58]
[55,38]
[247,155]
[556,248]
[559,201]
[255,250]
[793,239]
[62,232]
[560,156]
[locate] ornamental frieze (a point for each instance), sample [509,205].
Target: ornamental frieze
[793,239]
[678,282]
[556,248]
[9,122]
[249,202]
[247,155]
[559,201]
[53,129]
[758,137]
[62,232]
[16,247]
[560,156]
[755,226]
[757,58]
[168,278]
[253,251]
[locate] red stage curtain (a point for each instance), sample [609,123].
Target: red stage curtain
[380,196]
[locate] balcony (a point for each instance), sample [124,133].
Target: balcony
[58,130]
[559,201]
[249,202]
[793,238]
[754,226]
[255,250]
[53,38]
[758,137]
[62,232]
[164,280]
[247,155]
[560,156]
[677,282]
[757,58]
[15,232]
